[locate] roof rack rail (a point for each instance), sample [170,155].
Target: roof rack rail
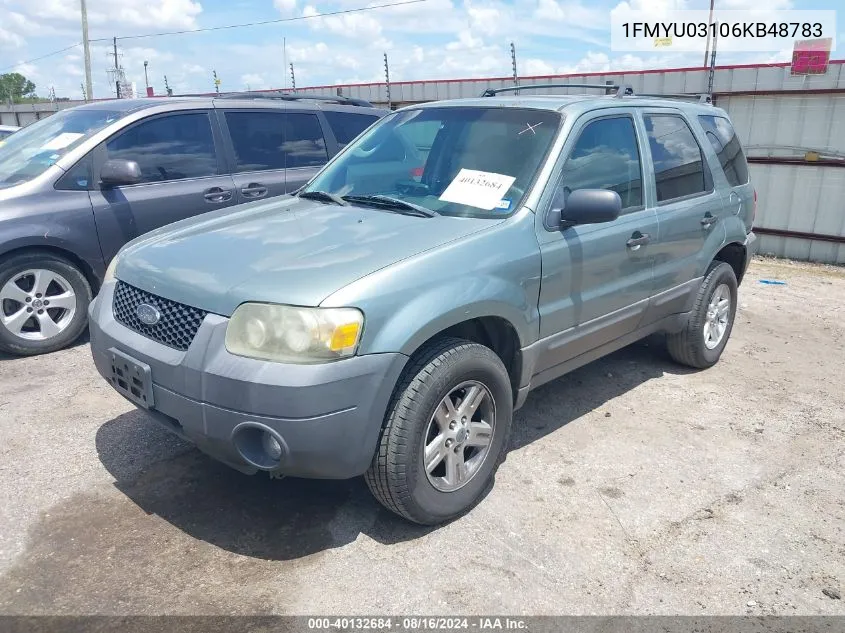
[621,90]
[298,96]
[701,98]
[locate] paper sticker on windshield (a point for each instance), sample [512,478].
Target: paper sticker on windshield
[480,189]
[62,140]
[503,205]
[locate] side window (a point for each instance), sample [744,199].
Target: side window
[606,156]
[304,145]
[678,162]
[725,143]
[347,125]
[257,138]
[78,177]
[169,147]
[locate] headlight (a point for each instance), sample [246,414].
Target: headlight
[110,270]
[289,334]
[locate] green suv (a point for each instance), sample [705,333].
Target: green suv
[388,318]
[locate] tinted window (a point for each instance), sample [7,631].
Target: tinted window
[4,134]
[304,145]
[258,138]
[606,157]
[78,177]
[169,147]
[722,137]
[347,125]
[678,163]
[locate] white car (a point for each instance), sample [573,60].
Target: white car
[6,131]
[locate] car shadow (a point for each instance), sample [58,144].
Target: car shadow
[83,339]
[291,518]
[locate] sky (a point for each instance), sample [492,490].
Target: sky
[432,39]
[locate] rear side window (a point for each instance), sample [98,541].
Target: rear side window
[168,148]
[304,144]
[725,143]
[347,125]
[257,138]
[678,162]
[606,156]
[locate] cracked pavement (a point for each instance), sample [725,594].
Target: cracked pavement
[633,486]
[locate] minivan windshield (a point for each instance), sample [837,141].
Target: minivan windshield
[455,160]
[27,153]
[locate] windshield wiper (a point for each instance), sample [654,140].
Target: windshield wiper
[394,204]
[324,196]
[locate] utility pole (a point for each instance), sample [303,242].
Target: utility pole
[88,92]
[146,79]
[712,65]
[387,82]
[513,63]
[116,69]
[216,82]
[292,78]
[709,22]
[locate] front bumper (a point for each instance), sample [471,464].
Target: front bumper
[328,416]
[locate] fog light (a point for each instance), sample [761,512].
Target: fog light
[271,446]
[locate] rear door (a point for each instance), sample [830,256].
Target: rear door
[255,148]
[182,171]
[597,278]
[688,208]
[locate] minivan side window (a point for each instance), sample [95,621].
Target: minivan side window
[304,145]
[171,147]
[257,138]
[347,125]
[725,143]
[606,156]
[678,161]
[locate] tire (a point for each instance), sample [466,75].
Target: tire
[60,282]
[398,477]
[691,346]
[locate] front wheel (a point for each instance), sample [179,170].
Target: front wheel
[445,432]
[43,303]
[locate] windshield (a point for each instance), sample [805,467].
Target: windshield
[29,152]
[460,161]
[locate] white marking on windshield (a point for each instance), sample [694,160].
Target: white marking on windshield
[531,128]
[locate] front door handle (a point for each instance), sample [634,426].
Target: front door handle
[216,195]
[254,190]
[637,240]
[708,220]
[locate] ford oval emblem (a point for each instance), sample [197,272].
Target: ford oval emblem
[147,314]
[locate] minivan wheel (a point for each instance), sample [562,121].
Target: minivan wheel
[701,342]
[43,304]
[445,432]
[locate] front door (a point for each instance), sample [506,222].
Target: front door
[181,177]
[597,278]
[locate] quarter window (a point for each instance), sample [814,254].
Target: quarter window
[168,148]
[606,156]
[725,143]
[678,162]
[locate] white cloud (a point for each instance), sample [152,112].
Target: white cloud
[285,6]
[8,39]
[254,81]
[161,14]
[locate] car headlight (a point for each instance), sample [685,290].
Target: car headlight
[290,334]
[110,270]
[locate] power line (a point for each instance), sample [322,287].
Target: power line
[280,20]
[37,59]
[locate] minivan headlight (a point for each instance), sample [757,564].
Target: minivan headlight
[290,334]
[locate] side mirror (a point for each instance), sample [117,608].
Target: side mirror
[590,206]
[118,172]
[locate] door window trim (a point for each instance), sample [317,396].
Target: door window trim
[575,134]
[709,185]
[99,153]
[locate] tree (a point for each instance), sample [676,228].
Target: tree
[15,86]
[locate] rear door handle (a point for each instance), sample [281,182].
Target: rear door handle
[708,220]
[254,190]
[216,195]
[637,240]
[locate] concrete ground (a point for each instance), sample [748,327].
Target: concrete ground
[632,486]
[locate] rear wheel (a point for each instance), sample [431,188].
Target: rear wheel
[43,303]
[701,342]
[445,432]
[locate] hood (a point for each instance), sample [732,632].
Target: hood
[288,250]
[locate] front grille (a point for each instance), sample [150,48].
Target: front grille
[176,327]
